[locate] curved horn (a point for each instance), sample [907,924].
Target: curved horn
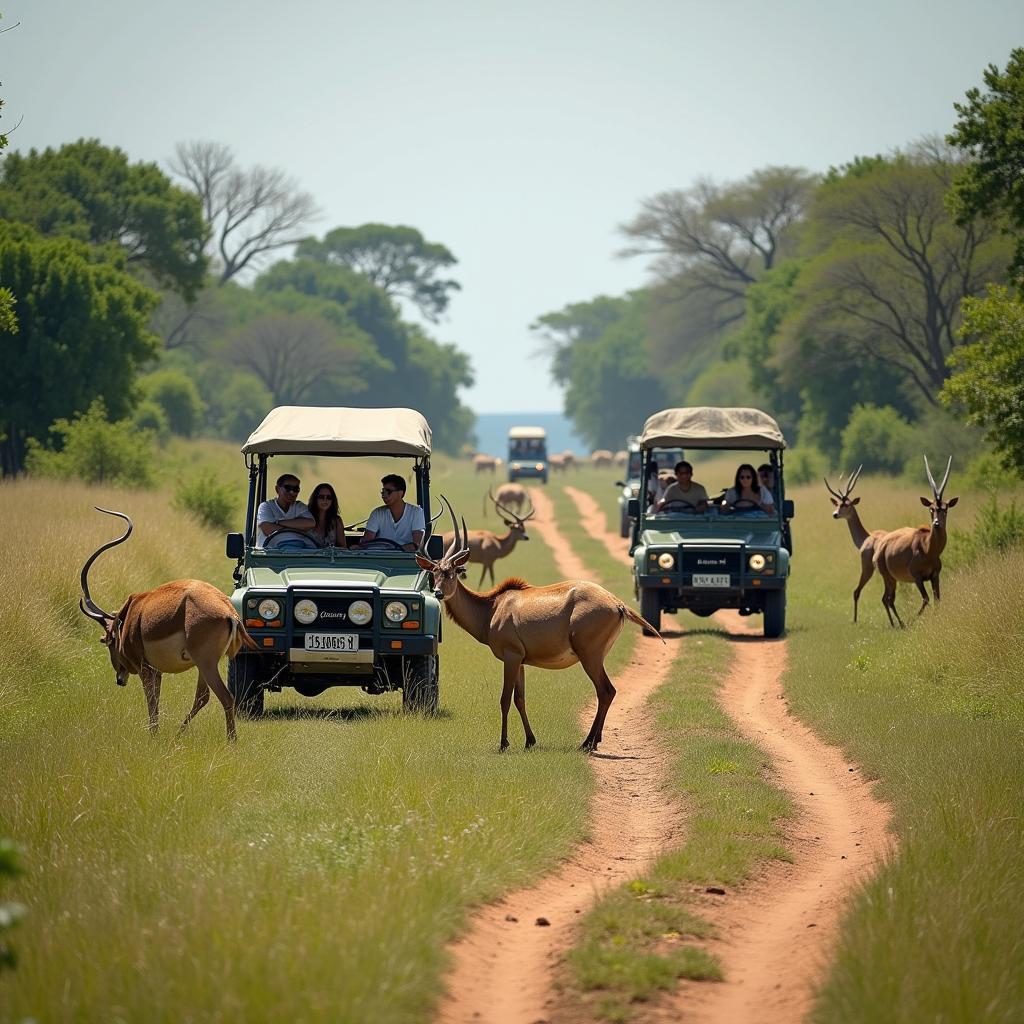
[831,490]
[455,544]
[88,606]
[937,491]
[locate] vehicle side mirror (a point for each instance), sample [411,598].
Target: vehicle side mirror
[235,545]
[633,508]
[788,509]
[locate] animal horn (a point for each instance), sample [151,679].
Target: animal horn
[455,544]
[88,606]
[937,491]
[831,490]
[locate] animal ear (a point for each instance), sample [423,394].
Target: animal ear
[462,558]
[951,502]
[424,563]
[834,502]
[855,500]
[926,502]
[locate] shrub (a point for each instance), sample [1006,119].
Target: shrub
[150,416]
[879,438]
[176,393]
[212,503]
[95,450]
[995,529]
[805,465]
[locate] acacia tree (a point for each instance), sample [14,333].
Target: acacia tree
[395,258]
[248,213]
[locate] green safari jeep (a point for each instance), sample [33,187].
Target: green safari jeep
[340,615]
[729,556]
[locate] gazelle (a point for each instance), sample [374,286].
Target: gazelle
[485,548]
[912,554]
[510,495]
[180,625]
[863,539]
[546,627]
[484,464]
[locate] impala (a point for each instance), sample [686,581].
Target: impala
[545,627]
[510,495]
[180,625]
[485,548]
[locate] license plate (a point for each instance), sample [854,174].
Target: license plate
[332,641]
[711,579]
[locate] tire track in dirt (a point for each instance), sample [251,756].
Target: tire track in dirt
[504,966]
[778,932]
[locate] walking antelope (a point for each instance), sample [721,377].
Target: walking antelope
[545,627]
[863,539]
[180,625]
[912,554]
[485,548]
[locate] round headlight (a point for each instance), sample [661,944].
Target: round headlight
[360,612]
[269,608]
[305,611]
[396,611]
[756,562]
[667,560]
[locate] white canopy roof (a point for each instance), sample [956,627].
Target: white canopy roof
[310,430]
[707,426]
[528,433]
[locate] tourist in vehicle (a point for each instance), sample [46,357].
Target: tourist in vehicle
[329,529]
[654,486]
[766,477]
[686,490]
[285,512]
[747,493]
[396,520]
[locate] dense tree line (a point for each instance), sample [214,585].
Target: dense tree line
[121,285]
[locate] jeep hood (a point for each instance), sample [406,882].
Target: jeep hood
[714,538]
[337,578]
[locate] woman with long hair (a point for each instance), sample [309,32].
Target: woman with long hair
[746,489]
[323,506]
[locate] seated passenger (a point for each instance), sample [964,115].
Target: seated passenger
[766,477]
[329,529]
[748,493]
[685,489]
[284,512]
[395,520]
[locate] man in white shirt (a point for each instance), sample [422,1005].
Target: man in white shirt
[284,512]
[395,520]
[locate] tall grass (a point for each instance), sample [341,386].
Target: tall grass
[314,870]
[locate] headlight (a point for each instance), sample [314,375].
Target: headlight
[360,612]
[305,611]
[539,466]
[269,608]
[515,465]
[667,560]
[756,562]
[396,611]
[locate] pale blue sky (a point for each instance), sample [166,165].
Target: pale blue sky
[518,134]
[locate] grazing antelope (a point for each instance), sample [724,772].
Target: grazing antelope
[601,459]
[912,554]
[557,463]
[510,495]
[180,625]
[570,459]
[484,464]
[485,548]
[620,458]
[863,539]
[544,627]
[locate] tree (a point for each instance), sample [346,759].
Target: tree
[177,394]
[90,192]
[990,130]
[397,259]
[248,213]
[988,373]
[81,334]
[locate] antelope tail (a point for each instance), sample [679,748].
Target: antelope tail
[242,634]
[628,613]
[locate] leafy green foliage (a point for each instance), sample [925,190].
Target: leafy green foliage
[996,529]
[877,437]
[805,465]
[213,503]
[81,334]
[10,913]
[991,130]
[90,192]
[8,316]
[150,415]
[176,393]
[988,373]
[95,450]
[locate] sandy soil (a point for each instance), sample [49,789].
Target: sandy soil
[505,965]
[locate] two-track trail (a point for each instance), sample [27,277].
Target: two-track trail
[777,932]
[504,966]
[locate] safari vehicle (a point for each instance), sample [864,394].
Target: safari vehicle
[527,453]
[726,557]
[335,616]
[630,487]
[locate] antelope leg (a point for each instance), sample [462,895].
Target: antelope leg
[511,675]
[924,594]
[211,675]
[202,697]
[520,699]
[151,687]
[605,696]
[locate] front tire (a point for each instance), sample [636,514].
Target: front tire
[420,684]
[650,609]
[624,525]
[774,614]
[245,684]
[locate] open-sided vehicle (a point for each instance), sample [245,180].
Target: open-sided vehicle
[630,487]
[723,557]
[527,453]
[341,615]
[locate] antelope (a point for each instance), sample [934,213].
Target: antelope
[485,548]
[557,463]
[484,464]
[509,495]
[180,625]
[601,459]
[620,458]
[912,554]
[545,627]
[863,540]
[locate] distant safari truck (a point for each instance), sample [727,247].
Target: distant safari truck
[527,453]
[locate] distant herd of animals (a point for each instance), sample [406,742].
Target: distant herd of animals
[559,462]
[191,624]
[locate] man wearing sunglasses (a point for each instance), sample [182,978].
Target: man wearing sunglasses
[396,520]
[285,512]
